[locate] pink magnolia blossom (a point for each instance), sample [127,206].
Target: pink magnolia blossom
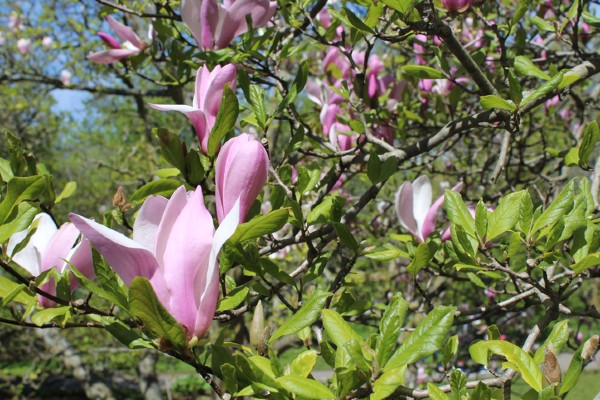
[50,247]
[208,94]
[65,77]
[241,172]
[47,41]
[414,209]
[131,46]
[23,45]
[175,247]
[456,5]
[214,25]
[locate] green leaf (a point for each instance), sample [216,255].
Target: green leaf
[123,333]
[19,190]
[458,384]
[436,393]
[526,67]
[481,220]
[171,147]
[11,295]
[356,22]
[556,341]
[450,349]
[374,168]
[589,261]
[522,8]
[346,237]
[573,372]
[145,306]
[261,225]
[516,91]
[423,255]
[162,187]
[390,327]
[297,86]
[520,360]
[422,71]
[305,316]
[6,173]
[506,215]
[234,299]
[557,209]
[257,102]
[591,19]
[481,392]
[10,289]
[588,143]
[542,24]
[20,219]
[304,363]
[525,215]
[305,388]
[67,191]
[226,118]
[48,314]
[329,210]
[458,212]
[403,6]
[386,255]
[387,383]
[492,101]
[337,329]
[426,339]
[544,90]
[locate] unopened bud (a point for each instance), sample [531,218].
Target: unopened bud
[551,367]
[257,326]
[590,347]
[118,199]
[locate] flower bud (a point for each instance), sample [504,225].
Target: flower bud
[241,172]
[551,367]
[257,326]
[590,347]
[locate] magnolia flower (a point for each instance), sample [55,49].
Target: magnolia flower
[414,209]
[456,5]
[50,247]
[241,172]
[214,25]
[65,77]
[175,247]
[47,41]
[132,46]
[207,100]
[23,45]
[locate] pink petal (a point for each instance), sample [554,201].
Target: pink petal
[404,209]
[196,117]
[207,279]
[422,200]
[235,22]
[109,40]
[241,172]
[111,56]
[126,257]
[190,14]
[30,257]
[145,227]
[59,247]
[174,207]
[213,92]
[187,251]
[210,15]
[125,32]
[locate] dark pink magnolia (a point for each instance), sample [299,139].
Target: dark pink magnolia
[175,247]
[456,5]
[131,46]
[50,247]
[214,25]
[241,172]
[415,212]
[205,106]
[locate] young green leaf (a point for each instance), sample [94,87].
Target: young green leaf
[305,316]
[506,214]
[226,118]
[492,101]
[390,326]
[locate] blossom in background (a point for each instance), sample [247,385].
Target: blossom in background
[14,22]
[456,5]
[208,94]
[65,77]
[47,41]
[175,247]
[241,172]
[23,45]
[214,25]
[50,247]
[414,209]
[131,46]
